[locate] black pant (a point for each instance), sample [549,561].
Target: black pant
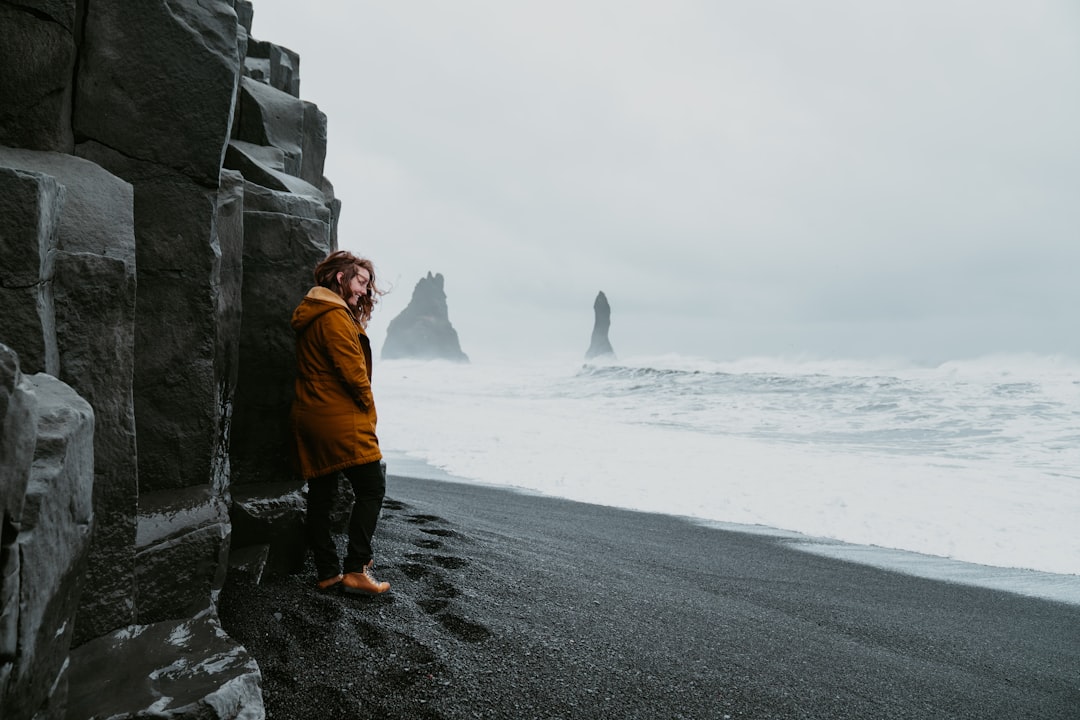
[369,486]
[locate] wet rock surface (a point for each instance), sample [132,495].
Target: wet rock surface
[172,669]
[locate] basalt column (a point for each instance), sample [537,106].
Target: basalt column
[153,104]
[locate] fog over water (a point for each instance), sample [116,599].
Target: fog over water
[840,241]
[836,179]
[974,461]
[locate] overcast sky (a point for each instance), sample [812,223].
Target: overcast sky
[833,179]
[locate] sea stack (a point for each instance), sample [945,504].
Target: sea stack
[423,329]
[600,345]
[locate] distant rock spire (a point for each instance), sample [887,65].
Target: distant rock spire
[600,345]
[423,329]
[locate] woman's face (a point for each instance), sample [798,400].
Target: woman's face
[358,287]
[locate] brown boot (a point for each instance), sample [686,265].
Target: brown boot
[329,583]
[363,583]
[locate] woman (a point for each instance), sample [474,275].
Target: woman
[333,417]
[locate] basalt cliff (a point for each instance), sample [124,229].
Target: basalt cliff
[162,203]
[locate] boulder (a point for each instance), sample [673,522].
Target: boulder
[600,346]
[44,565]
[423,330]
[38,57]
[180,669]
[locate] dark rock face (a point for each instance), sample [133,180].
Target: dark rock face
[168,689]
[157,228]
[600,346]
[30,206]
[38,56]
[423,330]
[186,529]
[92,299]
[287,235]
[177,118]
[47,518]
[268,518]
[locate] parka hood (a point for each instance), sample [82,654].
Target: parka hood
[317,302]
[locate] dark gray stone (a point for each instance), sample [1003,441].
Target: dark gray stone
[181,553]
[180,670]
[37,54]
[244,14]
[270,516]
[95,301]
[97,212]
[258,69]
[227,278]
[30,208]
[178,406]
[268,116]
[313,160]
[249,561]
[423,330]
[282,65]
[258,164]
[334,204]
[18,436]
[280,253]
[259,198]
[52,541]
[93,290]
[126,273]
[600,346]
[157,82]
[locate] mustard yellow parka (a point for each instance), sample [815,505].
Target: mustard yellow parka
[333,413]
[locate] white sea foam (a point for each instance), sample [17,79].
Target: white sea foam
[977,461]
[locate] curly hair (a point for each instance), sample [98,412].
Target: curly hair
[343,261]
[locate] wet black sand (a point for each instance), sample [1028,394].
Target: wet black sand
[506,605]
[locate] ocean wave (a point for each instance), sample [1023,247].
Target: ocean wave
[959,459]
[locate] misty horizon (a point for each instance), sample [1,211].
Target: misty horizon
[773,179]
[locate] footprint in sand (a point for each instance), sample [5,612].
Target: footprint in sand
[439,532]
[463,629]
[371,636]
[450,562]
[415,570]
[422,519]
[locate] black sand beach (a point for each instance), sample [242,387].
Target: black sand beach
[506,605]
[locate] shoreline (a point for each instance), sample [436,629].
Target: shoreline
[1058,587]
[511,605]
